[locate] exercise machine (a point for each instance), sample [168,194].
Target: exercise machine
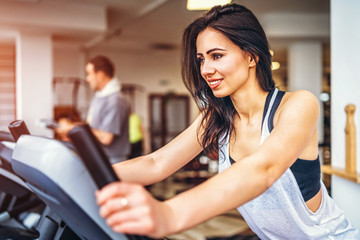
[66,182]
[19,207]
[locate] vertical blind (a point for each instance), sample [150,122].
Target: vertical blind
[7,84]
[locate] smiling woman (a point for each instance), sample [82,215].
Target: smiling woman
[220,59]
[266,141]
[247,41]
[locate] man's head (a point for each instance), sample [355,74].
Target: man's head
[99,71]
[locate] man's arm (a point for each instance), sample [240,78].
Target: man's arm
[65,126]
[102,136]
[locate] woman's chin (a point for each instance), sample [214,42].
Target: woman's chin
[219,94]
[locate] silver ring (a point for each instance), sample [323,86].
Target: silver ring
[124,202]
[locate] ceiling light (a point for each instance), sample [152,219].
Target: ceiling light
[275,65]
[204,5]
[272,52]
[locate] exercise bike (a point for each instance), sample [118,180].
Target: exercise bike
[65,177]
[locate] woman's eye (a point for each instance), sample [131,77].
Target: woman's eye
[200,60]
[216,56]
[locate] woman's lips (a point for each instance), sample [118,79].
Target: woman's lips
[214,83]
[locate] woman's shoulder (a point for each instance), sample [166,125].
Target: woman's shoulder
[303,97]
[299,102]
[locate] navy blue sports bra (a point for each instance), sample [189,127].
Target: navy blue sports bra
[306,172]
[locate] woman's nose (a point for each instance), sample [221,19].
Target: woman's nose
[207,68]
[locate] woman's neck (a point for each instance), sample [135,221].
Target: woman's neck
[249,102]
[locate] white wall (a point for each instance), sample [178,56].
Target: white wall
[33,80]
[345,89]
[308,25]
[68,61]
[305,71]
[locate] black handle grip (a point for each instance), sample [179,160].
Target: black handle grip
[18,128]
[6,136]
[92,155]
[95,160]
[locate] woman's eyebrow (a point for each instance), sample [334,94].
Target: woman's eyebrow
[211,50]
[215,49]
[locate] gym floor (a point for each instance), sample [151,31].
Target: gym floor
[229,226]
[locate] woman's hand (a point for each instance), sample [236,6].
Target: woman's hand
[129,208]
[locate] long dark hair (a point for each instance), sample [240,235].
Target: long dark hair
[240,25]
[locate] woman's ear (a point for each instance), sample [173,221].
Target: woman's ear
[252,61]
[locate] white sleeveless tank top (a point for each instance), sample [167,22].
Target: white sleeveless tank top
[281,213]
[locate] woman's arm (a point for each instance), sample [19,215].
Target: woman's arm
[243,181]
[158,165]
[254,174]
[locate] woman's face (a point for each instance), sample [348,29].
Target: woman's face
[223,65]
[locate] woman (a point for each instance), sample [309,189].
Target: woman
[266,142]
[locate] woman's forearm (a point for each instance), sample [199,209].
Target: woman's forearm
[142,170]
[217,195]
[160,164]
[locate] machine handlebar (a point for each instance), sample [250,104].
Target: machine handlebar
[92,155]
[6,136]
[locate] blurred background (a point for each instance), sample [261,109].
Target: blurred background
[44,45]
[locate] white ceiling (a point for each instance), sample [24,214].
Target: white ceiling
[166,20]
[139,24]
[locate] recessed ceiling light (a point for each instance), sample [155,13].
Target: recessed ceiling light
[204,4]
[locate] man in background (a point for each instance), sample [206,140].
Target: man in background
[108,114]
